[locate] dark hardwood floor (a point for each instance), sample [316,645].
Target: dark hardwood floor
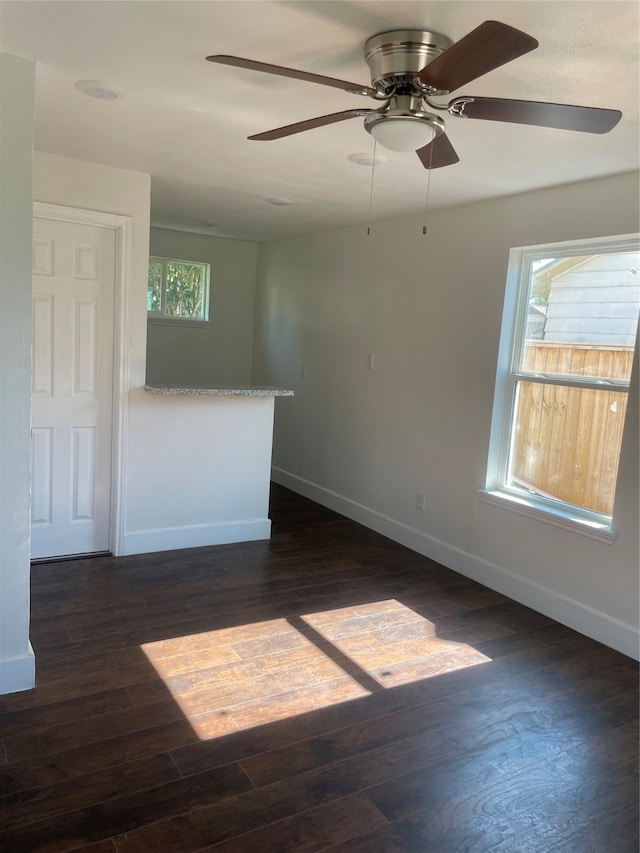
[327,690]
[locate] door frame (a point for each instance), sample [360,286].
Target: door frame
[123,228]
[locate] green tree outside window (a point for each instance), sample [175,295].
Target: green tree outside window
[178,290]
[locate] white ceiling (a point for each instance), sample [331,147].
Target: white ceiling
[185,121]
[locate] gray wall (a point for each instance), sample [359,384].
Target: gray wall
[429,310]
[215,354]
[17,78]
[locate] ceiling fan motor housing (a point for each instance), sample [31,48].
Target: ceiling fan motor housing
[395,57]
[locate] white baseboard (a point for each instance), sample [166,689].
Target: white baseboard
[194,536]
[18,673]
[593,623]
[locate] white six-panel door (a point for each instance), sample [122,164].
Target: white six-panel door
[72,387]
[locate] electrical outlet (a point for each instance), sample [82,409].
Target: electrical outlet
[303,371]
[370,361]
[420,502]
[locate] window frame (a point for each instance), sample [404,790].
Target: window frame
[167,319]
[508,374]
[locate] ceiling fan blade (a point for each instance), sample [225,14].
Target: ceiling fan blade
[438,153]
[281,71]
[540,114]
[489,46]
[309,124]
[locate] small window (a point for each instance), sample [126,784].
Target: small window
[564,368]
[178,291]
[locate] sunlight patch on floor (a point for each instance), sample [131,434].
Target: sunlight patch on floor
[249,675]
[392,643]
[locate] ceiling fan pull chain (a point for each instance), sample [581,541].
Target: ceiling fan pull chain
[373,169]
[426,201]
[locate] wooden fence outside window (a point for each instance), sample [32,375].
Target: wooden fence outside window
[567,440]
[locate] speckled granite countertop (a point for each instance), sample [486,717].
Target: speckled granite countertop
[249,391]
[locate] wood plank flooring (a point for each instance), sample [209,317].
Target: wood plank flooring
[328,690]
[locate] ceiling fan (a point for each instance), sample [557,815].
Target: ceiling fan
[411,67]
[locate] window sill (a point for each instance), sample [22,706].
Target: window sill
[562,517]
[170,321]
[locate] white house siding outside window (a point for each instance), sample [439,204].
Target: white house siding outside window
[569,330]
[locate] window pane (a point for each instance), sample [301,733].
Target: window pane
[154,287]
[582,315]
[185,290]
[566,443]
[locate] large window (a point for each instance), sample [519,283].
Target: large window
[568,336]
[178,290]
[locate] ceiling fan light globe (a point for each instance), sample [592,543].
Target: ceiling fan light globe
[402,133]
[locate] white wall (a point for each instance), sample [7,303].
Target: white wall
[202,475]
[429,309]
[17,78]
[215,354]
[174,493]
[76,183]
